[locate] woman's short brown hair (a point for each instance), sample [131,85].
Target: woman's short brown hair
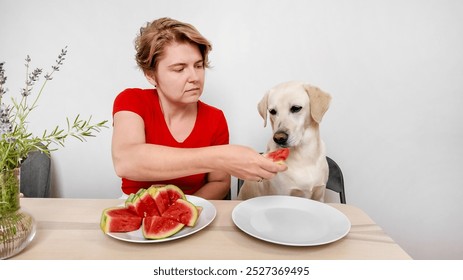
[156,35]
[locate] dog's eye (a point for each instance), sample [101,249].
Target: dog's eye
[295,109]
[272,111]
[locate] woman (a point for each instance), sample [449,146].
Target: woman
[166,135]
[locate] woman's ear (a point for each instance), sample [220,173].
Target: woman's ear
[151,78]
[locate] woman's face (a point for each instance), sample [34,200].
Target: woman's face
[179,76]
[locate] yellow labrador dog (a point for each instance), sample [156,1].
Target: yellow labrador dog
[296,110]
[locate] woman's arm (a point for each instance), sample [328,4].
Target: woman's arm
[217,187]
[134,159]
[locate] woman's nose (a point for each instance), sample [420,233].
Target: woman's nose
[195,74]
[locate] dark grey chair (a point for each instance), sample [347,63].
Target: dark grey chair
[335,180]
[35,175]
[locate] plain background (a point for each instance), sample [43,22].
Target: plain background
[393,68]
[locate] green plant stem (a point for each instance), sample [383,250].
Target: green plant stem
[9,191]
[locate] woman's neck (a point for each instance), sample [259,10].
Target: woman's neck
[179,118]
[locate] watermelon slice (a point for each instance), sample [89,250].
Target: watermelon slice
[279,155]
[183,212]
[147,204]
[119,219]
[200,209]
[161,197]
[156,227]
[142,203]
[129,202]
[160,211]
[174,193]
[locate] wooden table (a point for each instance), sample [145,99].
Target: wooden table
[69,229]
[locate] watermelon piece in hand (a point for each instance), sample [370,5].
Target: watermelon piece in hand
[119,219]
[279,155]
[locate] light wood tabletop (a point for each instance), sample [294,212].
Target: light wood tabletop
[69,229]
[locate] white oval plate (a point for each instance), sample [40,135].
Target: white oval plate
[291,221]
[207,215]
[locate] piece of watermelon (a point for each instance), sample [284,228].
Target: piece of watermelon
[142,203]
[279,155]
[142,208]
[183,212]
[119,219]
[174,193]
[148,204]
[156,227]
[162,200]
[129,202]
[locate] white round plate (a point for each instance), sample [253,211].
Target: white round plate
[291,221]
[207,215]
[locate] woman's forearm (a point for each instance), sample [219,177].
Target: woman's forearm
[148,162]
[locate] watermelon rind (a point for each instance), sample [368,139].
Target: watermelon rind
[156,227]
[129,202]
[134,202]
[174,193]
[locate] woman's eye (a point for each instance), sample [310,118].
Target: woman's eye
[295,109]
[272,111]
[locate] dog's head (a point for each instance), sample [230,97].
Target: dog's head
[293,107]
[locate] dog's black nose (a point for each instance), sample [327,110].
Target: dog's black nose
[280,138]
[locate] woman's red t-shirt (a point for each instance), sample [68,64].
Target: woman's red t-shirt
[210,129]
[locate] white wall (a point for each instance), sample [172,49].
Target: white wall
[394,69]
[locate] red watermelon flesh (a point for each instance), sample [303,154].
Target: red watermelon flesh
[183,212]
[174,193]
[119,219]
[142,203]
[161,197]
[129,202]
[156,227]
[279,155]
[148,204]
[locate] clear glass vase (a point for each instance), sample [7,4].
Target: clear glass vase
[17,228]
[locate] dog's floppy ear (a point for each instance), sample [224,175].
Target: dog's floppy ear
[262,108]
[319,102]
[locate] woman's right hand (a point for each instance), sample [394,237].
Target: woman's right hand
[247,164]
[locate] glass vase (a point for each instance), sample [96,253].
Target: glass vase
[17,228]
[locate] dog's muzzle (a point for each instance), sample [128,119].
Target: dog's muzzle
[280,138]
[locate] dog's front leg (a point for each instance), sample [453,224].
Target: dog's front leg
[297,192]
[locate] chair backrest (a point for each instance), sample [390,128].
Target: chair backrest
[35,175]
[335,180]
